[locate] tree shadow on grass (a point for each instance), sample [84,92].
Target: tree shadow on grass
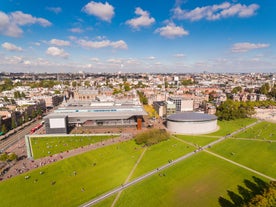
[237,199]
[245,194]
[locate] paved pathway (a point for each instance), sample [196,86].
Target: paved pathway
[129,176]
[253,139]
[186,142]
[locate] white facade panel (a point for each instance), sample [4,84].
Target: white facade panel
[57,123]
[187,105]
[192,127]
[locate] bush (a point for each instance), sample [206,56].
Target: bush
[152,136]
[8,157]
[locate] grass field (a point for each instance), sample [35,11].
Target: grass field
[46,146]
[263,130]
[197,140]
[157,155]
[226,127]
[96,171]
[196,182]
[258,155]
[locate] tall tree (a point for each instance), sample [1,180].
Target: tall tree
[4,129]
[230,110]
[265,88]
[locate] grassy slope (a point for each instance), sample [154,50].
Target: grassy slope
[46,146]
[113,164]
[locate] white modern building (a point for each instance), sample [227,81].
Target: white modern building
[95,114]
[191,123]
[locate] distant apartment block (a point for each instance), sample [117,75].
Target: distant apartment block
[86,94]
[50,101]
[182,104]
[160,108]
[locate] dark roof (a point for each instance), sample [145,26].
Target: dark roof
[191,117]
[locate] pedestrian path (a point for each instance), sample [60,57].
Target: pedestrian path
[253,139]
[129,176]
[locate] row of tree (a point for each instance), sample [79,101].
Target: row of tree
[230,110]
[265,199]
[5,157]
[265,89]
[19,120]
[142,97]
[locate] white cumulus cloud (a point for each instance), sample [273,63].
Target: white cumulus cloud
[55,51]
[171,31]
[11,47]
[143,20]
[247,46]
[216,11]
[59,42]
[103,11]
[10,24]
[120,44]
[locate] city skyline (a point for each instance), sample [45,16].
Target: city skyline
[137,36]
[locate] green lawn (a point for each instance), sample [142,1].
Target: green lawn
[263,130]
[197,181]
[46,146]
[160,154]
[96,172]
[227,127]
[197,140]
[258,155]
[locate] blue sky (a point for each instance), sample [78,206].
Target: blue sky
[138,36]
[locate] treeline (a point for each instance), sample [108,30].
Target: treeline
[258,193]
[230,110]
[268,90]
[263,104]
[8,84]
[266,199]
[142,97]
[151,137]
